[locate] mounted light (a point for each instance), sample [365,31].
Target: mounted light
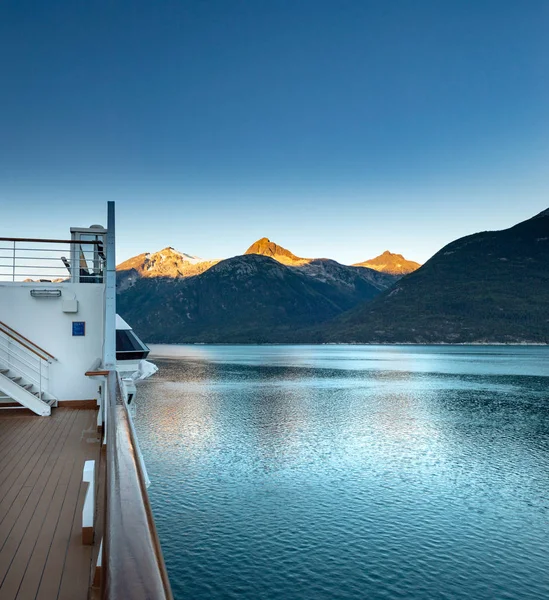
[45,293]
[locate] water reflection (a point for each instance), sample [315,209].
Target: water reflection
[350,472]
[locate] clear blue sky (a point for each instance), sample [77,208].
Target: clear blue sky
[337,129]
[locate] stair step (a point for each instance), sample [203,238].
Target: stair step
[50,401]
[9,403]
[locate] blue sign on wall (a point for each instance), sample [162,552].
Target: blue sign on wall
[78,328]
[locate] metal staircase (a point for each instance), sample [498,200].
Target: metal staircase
[24,373]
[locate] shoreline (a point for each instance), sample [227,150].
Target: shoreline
[461,344]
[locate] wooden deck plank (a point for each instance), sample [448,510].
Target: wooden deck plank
[17,459]
[12,533]
[17,463]
[22,440]
[6,429]
[35,565]
[44,508]
[16,426]
[77,570]
[29,473]
[15,433]
[11,505]
[55,564]
[41,554]
[20,431]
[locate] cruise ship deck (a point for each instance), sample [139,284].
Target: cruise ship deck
[75,517]
[41,499]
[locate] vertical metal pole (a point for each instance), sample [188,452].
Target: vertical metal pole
[40,390]
[13,266]
[109,346]
[75,260]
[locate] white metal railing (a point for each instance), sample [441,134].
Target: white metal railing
[41,260]
[24,359]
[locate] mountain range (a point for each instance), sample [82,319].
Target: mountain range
[173,264]
[264,295]
[486,287]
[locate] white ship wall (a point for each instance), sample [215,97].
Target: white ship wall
[43,321]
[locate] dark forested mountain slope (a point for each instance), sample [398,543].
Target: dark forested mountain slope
[249,298]
[486,287]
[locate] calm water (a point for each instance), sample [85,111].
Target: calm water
[363,472]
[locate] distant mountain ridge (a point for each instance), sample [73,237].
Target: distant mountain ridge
[393,264]
[323,269]
[266,294]
[168,262]
[250,298]
[173,264]
[265,247]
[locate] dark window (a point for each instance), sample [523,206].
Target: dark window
[129,346]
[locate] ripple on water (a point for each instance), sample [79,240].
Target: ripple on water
[350,472]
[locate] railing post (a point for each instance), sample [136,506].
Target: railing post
[109,347]
[75,261]
[101,402]
[88,511]
[98,573]
[13,266]
[106,402]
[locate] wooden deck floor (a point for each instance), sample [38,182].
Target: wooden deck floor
[41,499]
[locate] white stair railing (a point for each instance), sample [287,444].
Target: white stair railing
[25,359]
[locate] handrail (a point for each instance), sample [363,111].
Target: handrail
[132,557]
[23,360]
[23,344]
[47,241]
[3,325]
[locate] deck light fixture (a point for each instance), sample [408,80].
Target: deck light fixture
[45,293]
